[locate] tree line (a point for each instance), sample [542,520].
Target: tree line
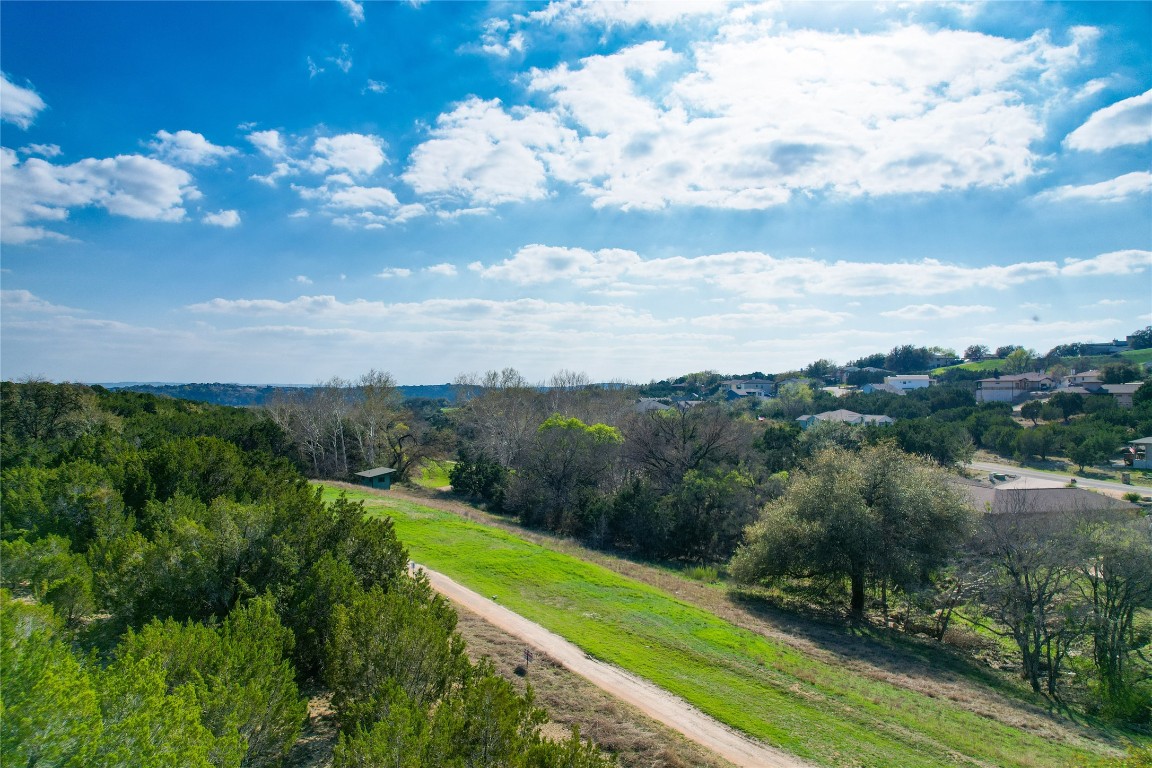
[867,515]
[171,582]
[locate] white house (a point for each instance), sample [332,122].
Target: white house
[909,381]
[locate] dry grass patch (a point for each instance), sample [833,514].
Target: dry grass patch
[571,701]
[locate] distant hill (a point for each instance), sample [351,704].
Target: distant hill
[251,394]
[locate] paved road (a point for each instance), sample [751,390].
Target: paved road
[648,698]
[1083,482]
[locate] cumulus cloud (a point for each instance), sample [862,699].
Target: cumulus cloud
[225,219]
[482,153]
[270,143]
[375,86]
[126,185]
[391,272]
[188,148]
[757,113]
[446,270]
[303,279]
[354,153]
[19,105]
[1114,190]
[936,312]
[1123,123]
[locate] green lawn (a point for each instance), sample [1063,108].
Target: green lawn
[816,710]
[1138,356]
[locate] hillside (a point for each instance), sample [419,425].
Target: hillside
[830,694]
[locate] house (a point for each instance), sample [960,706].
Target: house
[1122,393]
[645,404]
[1103,347]
[870,388]
[1011,389]
[749,388]
[1137,453]
[908,381]
[1082,379]
[380,477]
[1032,496]
[844,416]
[838,391]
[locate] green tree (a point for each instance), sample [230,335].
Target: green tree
[1120,373]
[1115,580]
[1091,450]
[402,638]
[1142,339]
[1019,360]
[976,352]
[243,683]
[1067,404]
[1031,410]
[908,359]
[878,516]
[566,476]
[50,711]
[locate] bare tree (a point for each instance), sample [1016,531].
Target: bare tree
[1027,588]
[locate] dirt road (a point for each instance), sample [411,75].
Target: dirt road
[653,701]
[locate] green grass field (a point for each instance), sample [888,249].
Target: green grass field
[767,689]
[434,474]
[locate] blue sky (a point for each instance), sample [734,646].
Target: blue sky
[286,192]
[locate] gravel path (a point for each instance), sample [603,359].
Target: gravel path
[653,701]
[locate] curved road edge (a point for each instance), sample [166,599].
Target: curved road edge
[653,701]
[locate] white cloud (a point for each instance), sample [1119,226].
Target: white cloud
[391,272]
[19,105]
[482,153]
[936,312]
[303,279]
[299,213]
[1114,190]
[25,301]
[1117,263]
[188,148]
[354,153]
[754,274]
[375,86]
[1123,123]
[757,113]
[446,270]
[313,68]
[226,219]
[355,10]
[362,198]
[126,185]
[270,143]
[343,60]
[44,150]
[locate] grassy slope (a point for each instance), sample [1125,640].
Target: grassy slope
[766,688]
[1137,356]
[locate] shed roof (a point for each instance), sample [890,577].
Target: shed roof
[377,472]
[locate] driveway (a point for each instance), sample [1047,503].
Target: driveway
[1081,482]
[653,701]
